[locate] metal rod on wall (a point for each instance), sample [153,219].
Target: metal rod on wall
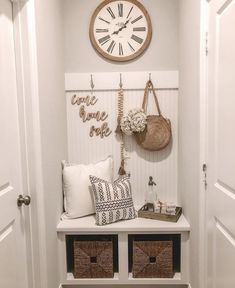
[114,90]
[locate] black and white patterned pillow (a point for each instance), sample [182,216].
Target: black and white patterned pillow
[113,201]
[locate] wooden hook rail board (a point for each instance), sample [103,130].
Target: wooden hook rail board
[141,164]
[163,80]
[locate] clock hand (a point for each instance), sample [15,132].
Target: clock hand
[116,32]
[120,29]
[127,21]
[124,26]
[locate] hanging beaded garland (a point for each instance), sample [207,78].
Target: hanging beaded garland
[119,131]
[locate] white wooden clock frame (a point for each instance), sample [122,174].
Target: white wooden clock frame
[102,51]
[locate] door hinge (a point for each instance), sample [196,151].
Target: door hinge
[204,169]
[206,44]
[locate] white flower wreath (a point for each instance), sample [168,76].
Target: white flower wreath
[126,125]
[134,122]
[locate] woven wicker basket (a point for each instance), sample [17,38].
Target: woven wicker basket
[152,259]
[93,259]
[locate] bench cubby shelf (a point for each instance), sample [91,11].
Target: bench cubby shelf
[138,226]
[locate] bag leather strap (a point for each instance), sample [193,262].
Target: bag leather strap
[150,87]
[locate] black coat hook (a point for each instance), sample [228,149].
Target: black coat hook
[120,83]
[92,83]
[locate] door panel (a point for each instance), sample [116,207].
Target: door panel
[226,88]
[13,266]
[221,146]
[8,243]
[225,249]
[7,207]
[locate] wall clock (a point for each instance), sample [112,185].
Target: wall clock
[120,30]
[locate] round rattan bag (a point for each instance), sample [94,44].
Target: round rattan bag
[157,134]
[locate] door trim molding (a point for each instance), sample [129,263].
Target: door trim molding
[203,138]
[27,86]
[18,18]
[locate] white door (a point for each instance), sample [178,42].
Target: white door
[13,267]
[221,149]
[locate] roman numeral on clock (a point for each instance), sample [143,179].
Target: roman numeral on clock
[137,39]
[132,49]
[111,46]
[111,12]
[102,30]
[139,29]
[104,39]
[102,19]
[120,10]
[137,19]
[120,49]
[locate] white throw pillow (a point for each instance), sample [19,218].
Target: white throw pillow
[78,199]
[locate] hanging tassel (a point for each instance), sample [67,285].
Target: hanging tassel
[122,170]
[118,129]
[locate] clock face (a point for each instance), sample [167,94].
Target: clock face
[120,30]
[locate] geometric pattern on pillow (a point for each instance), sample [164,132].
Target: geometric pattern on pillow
[113,201]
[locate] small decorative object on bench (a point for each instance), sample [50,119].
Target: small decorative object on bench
[152,259]
[170,217]
[151,195]
[93,259]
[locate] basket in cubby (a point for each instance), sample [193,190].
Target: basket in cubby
[152,259]
[93,259]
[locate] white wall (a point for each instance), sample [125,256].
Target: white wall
[189,127]
[52,113]
[80,56]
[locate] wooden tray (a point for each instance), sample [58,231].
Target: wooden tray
[142,213]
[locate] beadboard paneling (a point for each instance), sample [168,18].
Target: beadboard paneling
[162,165]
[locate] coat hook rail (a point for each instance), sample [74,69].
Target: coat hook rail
[115,90]
[110,89]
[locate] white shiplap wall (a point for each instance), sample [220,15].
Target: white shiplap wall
[162,165]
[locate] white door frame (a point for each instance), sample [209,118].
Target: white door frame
[218,8]
[27,88]
[26,53]
[204,134]
[202,248]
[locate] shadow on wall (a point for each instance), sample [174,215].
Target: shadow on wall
[153,156]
